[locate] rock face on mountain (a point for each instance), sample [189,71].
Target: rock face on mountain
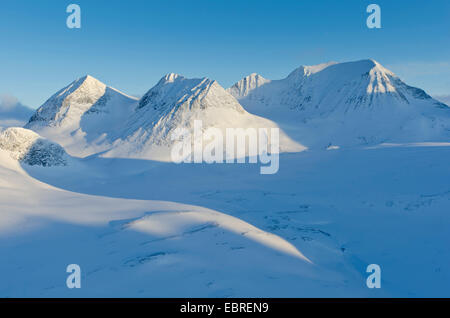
[345,102]
[83,116]
[177,102]
[30,148]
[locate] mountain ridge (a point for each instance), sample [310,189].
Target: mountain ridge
[375,79]
[345,103]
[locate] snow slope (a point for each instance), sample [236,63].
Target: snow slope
[176,102]
[343,209]
[139,248]
[345,103]
[82,116]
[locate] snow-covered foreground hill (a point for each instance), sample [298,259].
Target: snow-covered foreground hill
[341,209]
[128,247]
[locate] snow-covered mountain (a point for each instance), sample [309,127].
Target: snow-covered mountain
[82,116]
[28,147]
[176,102]
[326,105]
[88,117]
[353,102]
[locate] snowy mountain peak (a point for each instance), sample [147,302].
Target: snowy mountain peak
[331,87]
[177,102]
[67,106]
[363,98]
[88,79]
[174,91]
[87,85]
[69,103]
[83,115]
[361,67]
[171,77]
[88,117]
[247,84]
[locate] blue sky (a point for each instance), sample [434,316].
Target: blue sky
[131,44]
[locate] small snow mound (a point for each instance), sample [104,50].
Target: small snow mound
[30,148]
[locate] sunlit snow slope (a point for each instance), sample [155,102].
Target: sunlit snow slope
[138,248]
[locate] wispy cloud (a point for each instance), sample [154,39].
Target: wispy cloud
[8,102]
[12,112]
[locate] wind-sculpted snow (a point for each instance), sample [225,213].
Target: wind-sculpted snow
[28,147]
[169,224]
[342,210]
[133,247]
